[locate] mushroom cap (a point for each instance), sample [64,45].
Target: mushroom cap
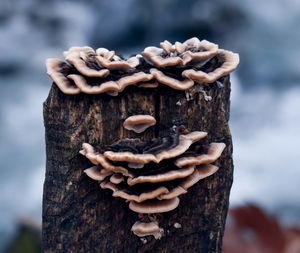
[106,184]
[62,82]
[116,178]
[180,54]
[97,173]
[170,81]
[76,59]
[110,87]
[131,63]
[154,206]
[230,63]
[141,197]
[142,229]
[214,152]
[201,172]
[177,191]
[103,52]
[167,176]
[98,159]
[139,123]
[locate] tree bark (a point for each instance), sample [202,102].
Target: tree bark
[78,216]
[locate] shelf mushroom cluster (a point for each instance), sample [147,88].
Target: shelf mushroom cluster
[152,175]
[178,66]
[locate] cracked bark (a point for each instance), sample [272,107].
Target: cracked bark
[78,216]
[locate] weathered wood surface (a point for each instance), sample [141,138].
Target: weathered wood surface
[78,216]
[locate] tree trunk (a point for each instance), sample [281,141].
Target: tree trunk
[79,216]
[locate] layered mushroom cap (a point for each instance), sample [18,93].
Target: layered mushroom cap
[151,176]
[179,66]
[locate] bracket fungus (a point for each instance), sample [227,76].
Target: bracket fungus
[139,123]
[171,165]
[179,66]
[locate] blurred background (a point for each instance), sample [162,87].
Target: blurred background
[265,102]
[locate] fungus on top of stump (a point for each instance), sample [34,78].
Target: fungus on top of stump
[179,66]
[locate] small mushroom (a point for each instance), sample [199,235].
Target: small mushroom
[154,206]
[116,178]
[139,123]
[97,173]
[142,229]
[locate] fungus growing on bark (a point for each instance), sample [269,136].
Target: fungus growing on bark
[170,166]
[142,229]
[139,123]
[154,206]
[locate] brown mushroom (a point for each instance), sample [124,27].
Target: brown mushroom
[142,229]
[154,206]
[97,173]
[139,123]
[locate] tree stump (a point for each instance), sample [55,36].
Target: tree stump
[78,216]
[185,87]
